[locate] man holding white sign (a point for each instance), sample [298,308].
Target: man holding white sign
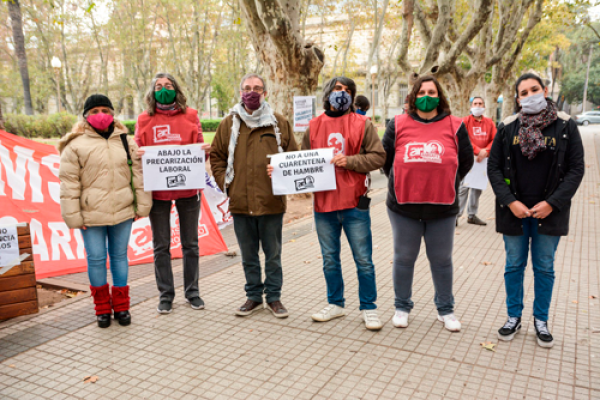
[303,172]
[242,144]
[358,151]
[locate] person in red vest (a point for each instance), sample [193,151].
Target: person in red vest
[169,121]
[428,154]
[358,151]
[482,131]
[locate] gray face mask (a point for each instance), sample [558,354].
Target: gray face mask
[533,104]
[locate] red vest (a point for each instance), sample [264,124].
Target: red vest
[168,128]
[426,161]
[345,134]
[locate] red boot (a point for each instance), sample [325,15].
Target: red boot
[120,302]
[101,295]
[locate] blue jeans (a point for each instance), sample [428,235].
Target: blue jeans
[115,239]
[543,249]
[357,227]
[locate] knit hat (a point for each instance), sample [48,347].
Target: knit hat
[97,100]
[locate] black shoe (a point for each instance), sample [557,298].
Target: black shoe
[476,221]
[165,307]
[103,320]
[544,337]
[457,220]
[124,317]
[196,303]
[510,329]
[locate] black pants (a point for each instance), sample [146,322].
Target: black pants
[264,231]
[160,221]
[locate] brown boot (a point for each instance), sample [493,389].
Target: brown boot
[277,309]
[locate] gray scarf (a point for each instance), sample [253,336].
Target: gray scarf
[259,118]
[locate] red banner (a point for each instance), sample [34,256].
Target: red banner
[30,192]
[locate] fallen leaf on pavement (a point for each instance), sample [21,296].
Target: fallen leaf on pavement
[490,218]
[12,365]
[293,240]
[90,379]
[231,253]
[575,301]
[593,297]
[306,262]
[488,346]
[486,263]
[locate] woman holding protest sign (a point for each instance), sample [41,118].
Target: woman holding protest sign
[169,121]
[101,191]
[428,154]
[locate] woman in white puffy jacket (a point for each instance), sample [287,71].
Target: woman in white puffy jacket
[101,192]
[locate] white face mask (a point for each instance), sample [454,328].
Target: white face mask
[477,111]
[533,104]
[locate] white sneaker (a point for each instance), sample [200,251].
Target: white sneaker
[400,319]
[372,321]
[328,313]
[450,322]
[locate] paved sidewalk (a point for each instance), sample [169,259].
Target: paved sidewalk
[212,354]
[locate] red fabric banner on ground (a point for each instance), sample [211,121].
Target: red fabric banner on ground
[30,192]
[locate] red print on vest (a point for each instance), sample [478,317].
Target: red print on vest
[336,140]
[162,133]
[431,151]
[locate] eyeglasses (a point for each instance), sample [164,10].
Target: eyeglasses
[257,89]
[168,86]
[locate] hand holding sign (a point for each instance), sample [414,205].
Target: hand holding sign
[173,167]
[302,172]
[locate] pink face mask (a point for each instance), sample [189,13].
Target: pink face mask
[100,121]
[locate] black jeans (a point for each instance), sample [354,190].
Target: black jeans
[264,230]
[160,221]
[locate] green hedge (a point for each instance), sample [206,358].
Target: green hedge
[208,125]
[39,126]
[57,125]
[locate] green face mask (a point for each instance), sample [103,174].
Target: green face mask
[426,103]
[165,96]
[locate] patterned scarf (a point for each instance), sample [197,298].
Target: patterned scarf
[531,139]
[259,118]
[166,107]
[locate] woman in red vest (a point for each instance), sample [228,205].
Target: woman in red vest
[428,154]
[169,121]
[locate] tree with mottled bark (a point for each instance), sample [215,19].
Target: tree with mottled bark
[292,64]
[463,40]
[14,9]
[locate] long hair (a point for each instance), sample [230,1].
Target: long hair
[330,85]
[180,99]
[443,107]
[524,77]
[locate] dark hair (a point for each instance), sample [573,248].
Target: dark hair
[524,77]
[330,85]
[443,107]
[478,97]
[180,98]
[362,103]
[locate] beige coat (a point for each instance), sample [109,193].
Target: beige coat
[95,187]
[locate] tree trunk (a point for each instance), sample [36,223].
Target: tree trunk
[14,9]
[291,63]
[1,117]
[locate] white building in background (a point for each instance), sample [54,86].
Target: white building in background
[331,34]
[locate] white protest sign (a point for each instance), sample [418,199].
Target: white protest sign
[173,167]
[477,176]
[304,111]
[303,172]
[9,245]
